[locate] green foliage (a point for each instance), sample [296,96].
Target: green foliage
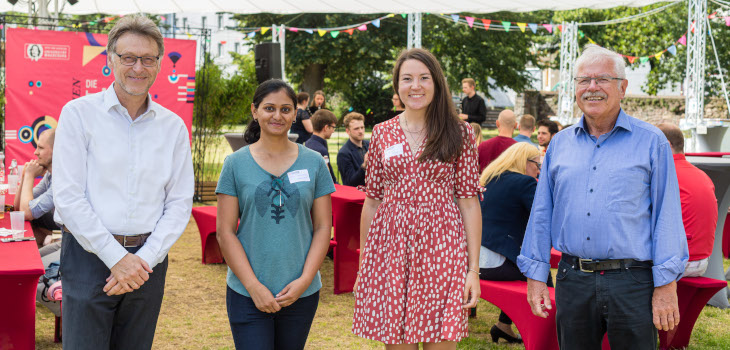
[650,35]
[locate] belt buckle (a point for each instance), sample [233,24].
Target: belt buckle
[125,243]
[580,265]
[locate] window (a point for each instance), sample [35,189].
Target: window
[220,21]
[235,47]
[220,49]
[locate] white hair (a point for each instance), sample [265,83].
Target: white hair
[593,54]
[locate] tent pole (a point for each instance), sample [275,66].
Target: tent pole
[568,55]
[695,75]
[282,42]
[414,30]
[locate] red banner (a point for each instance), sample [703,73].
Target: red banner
[46,69]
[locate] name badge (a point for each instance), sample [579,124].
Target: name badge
[393,151]
[298,176]
[327,159]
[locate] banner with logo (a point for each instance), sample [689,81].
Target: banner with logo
[47,69]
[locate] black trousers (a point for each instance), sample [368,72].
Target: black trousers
[589,304]
[508,271]
[93,320]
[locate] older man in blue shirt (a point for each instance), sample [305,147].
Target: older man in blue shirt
[608,199]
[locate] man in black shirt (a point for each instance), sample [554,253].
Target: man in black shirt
[353,157]
[473,109]
[324,123]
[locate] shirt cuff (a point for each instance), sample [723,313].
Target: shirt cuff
[111,253]
[147,255]
[536,270]
[669,271]
[35,210]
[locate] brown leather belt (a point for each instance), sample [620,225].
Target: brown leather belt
[130,241]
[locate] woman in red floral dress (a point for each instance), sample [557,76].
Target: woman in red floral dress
[421,222]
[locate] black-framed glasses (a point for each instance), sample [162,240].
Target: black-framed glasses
[277,184]
[538,164]
[603,81]
[332,126]
[131,60]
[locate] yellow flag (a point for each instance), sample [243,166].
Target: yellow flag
[265,29]
[522,26]
[659,55]
[321,32]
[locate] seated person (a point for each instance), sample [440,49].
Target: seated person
[324,123]
[37,202]
[490,149]
[353,156]
[511,181]
[699,205]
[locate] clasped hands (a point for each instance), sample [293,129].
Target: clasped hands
[267,302]
[127,275]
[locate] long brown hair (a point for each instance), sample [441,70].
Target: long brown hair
[443,126]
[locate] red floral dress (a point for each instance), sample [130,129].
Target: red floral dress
[414,266]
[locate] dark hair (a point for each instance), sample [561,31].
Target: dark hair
[443,127]
[322,118]
[302,97]
[253,130]
[551,125]
[318,92]
[674,136]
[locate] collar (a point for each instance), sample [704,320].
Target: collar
[318,139]
[621,122]
[111,100]
[354,145]
[679,156]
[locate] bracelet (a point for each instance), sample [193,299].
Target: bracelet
[476,272]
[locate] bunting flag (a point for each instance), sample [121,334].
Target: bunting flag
[549,27]
[506,25]
[533,27]
[522,26]
[560,27]
[403,15]
[683,40]
[631,59]
[591,41]
[673,50]
[250,35]
[455,18]
[486,23]
[376,23]
[350,31]
[469,21]
[334,33]
[727,21]
[658,55]
[321,32]
[265,29]
[293,29]
[309,31]
[363,27]
[643,59]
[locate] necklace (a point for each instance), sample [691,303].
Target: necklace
[419,133]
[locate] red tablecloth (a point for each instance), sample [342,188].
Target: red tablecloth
[346,208]
[20,267]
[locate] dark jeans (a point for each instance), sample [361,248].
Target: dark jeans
[93,320]
[508,271]
[287,329]
[589,304]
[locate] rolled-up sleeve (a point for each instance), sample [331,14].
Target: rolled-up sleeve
[534,258]
[670,252]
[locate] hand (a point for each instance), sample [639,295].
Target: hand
[33,169]
[292,292]
[357,282]
[128,274]
[263,299]
[365,160]
[463,116]
[472,290]
[664,307]
[538,297]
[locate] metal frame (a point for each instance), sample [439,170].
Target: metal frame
[568,55]
[414,30]
[695,77]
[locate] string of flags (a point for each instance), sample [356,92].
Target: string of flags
[490,24]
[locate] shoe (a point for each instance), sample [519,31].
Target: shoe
[497,333]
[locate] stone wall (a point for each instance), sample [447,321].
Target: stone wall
[652,109]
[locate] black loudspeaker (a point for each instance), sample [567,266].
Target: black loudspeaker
[13,2]
[268,61]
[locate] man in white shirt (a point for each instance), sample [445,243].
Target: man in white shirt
[123,185]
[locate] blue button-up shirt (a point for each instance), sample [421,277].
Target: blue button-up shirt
[614,197]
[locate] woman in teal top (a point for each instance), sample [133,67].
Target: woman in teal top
[280,191]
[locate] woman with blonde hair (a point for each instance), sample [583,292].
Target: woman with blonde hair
[477,132]
[510,182]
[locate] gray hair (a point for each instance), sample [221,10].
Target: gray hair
[593,54]
[135,24]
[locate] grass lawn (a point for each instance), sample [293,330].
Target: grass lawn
[194,315]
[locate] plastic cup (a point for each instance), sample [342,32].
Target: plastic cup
[2,206]
[12,184]
[17,222]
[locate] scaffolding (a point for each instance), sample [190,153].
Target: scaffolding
[414,30]
[568,55]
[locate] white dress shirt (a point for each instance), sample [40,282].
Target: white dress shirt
[115,175]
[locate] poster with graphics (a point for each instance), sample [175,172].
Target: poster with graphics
[47,69]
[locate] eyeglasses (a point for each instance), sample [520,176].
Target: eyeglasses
[602,81]
[539,165]
[332,126]
[279,199]
[131,60]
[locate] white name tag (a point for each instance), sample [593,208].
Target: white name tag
[394,150]
[327,159]
[298,176]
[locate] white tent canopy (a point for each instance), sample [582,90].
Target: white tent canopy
[120,7]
